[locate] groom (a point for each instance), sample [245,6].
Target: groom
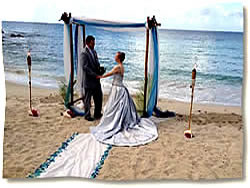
[91,67]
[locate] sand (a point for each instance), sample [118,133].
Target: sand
[215,152]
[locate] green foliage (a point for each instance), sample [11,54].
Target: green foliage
[150,86]
[139,99]
[62,90]
[139,96]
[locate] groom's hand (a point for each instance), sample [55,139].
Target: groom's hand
[102,70]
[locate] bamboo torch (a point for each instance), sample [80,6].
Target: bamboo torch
[32,111]
[188,132]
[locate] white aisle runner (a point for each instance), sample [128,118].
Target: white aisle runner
[80,156]
[79,159]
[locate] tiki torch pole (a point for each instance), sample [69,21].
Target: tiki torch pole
[188,133]
[32,111]
[29,68]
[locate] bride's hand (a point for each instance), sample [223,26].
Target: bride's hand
[98,77]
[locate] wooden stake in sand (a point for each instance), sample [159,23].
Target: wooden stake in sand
[188,132]
[32,111]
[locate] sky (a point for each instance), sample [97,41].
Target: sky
[218,15]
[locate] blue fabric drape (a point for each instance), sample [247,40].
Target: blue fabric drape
[101,23]
[152,99]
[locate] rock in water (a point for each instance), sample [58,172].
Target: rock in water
[16,35]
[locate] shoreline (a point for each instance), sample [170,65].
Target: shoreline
[163,103]
[223,95]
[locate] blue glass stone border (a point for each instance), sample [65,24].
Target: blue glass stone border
[101,162]
[42,168]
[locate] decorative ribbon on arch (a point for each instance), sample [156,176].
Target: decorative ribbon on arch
[153,72]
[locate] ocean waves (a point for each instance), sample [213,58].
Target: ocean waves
[219,54]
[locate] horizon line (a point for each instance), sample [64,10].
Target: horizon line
[175,29]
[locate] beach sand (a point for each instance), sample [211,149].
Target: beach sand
[215,152]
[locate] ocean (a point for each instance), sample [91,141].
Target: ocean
[219,58]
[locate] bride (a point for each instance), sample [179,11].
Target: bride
[120,124]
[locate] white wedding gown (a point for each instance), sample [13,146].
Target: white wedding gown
[120,124]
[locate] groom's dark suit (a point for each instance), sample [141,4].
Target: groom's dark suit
[90,65]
